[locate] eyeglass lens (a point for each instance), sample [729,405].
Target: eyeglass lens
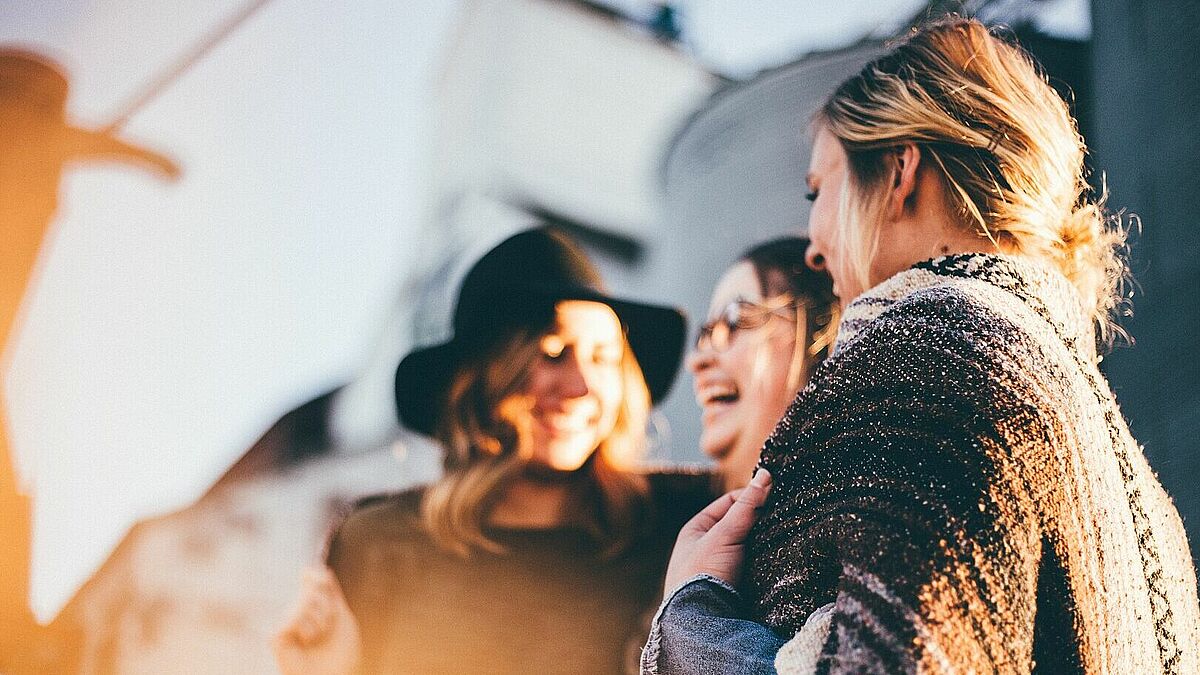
[719,331]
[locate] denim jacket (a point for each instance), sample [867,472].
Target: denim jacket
[702,628]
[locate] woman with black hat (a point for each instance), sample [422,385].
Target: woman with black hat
[542,547]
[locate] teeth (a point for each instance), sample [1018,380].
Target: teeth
[566,423]
[716,392]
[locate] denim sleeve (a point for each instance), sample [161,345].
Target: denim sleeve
[700,629]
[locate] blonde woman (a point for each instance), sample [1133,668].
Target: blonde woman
[956,490]
[542,547]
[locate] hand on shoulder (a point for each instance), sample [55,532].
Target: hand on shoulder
[712,542]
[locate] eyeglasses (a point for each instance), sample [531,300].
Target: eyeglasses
[718,332]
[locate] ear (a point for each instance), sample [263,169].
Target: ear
[907,158]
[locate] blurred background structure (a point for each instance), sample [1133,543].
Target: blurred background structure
[204,375]
[1146,140]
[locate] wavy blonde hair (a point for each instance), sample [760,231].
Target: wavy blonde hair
[1002,140]
[487,448]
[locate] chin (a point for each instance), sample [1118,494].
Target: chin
[568,459]
[566,467]
[717,443]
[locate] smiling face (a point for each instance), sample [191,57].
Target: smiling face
[575,386]
[828,175]
[743,390]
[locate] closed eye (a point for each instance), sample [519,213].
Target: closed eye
[608,357]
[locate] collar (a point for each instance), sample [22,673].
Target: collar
[1042,289]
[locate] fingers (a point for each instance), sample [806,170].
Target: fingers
[741,514]
[755,494]
[312,617]
[708,517]
[712,541]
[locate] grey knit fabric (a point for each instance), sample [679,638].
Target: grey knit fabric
[958,480]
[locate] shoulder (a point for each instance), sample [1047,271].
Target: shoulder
[943,357]
[381,518]
[958,303]
[404,500]
[951,311]
[949,325]
[377,549]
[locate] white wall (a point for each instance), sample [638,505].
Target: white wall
[174,322]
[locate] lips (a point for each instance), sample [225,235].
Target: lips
[565,423]
[716,394]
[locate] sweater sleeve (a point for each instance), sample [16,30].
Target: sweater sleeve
[900,496]
[364,554]
[344,558]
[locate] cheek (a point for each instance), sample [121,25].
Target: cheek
[737,361]
[750,365]
[780,392]
[821,229]
[538,379]
[770,368]
[609,392]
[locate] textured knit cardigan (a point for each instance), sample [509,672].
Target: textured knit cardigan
[958,481]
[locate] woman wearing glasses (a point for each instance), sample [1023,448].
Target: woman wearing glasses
[772,320]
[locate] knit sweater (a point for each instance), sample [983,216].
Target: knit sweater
[552,603]
[958,481]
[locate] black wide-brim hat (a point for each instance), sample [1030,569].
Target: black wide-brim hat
[517,284]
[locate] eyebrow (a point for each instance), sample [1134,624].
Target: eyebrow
[558,333]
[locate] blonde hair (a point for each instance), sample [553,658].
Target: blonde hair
[486,449]
[1004,143]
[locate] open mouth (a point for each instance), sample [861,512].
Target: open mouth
[719,394]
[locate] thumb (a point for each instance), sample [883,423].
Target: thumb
[736,523]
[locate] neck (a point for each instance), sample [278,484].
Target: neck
[533,502]
[957,241]
[928,228]
[916,241]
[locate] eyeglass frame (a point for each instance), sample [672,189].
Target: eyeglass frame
[707,330]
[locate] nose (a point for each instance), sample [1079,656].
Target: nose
[698,360]
[813,258]
[572,380]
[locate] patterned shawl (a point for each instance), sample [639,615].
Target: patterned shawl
[958,480]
